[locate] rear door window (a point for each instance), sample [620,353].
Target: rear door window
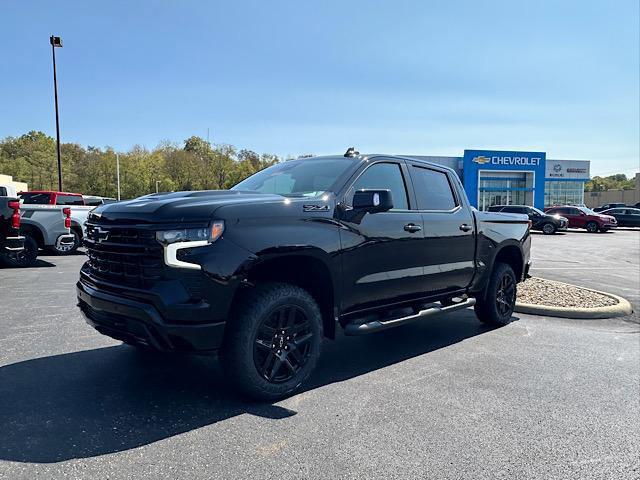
[69,200]
[36,198]
[433,190]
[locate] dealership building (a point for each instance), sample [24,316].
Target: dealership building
[517,178]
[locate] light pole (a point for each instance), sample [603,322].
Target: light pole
[56,42]
[118,174]
[157,183]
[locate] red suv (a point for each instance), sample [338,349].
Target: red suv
[583,217]
[43,197]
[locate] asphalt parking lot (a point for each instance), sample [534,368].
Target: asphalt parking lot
[445,398]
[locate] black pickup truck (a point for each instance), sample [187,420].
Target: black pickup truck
[264,271]
[11,242]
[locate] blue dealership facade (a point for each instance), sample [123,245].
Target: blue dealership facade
[495,177]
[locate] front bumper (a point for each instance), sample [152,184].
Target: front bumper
[140,323]
[65,240]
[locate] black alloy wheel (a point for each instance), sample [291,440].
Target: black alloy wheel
[497,305]
[282,345]
[506,295]
[592,227]
[273,340]
[548,229]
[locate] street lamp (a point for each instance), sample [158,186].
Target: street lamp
[56,42]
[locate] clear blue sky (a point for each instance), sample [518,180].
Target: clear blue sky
[413,77]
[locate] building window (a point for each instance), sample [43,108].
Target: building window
[563,193]
[504,188]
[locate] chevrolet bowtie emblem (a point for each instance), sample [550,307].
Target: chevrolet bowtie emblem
[99,235]
[480,159]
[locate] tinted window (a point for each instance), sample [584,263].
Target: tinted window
[297,178]
[36,198]
[3,192]
[515,210]
[69,200]
[433,191]
[495,208]
[385,176]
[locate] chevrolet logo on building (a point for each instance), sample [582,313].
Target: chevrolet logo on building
[481,160]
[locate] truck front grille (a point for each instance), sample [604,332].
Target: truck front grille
[128,256]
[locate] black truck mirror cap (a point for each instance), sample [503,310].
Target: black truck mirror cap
[373,201]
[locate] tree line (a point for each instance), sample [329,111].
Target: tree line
[612,182]
[194,165]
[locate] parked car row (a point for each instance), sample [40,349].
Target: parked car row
[583,217]
[609,206]
[561,217]
[48,220]
[544,222]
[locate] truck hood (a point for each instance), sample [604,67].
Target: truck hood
[180,206]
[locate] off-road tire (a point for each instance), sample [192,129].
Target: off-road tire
[592,227]
[254,315]
[487,309]
[25,258]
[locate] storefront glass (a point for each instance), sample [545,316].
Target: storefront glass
[563,193]
[505,188]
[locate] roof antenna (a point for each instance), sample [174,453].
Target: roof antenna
[351,152]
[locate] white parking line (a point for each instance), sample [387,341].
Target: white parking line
[573,268]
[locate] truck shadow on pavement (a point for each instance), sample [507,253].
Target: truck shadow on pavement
[112,399]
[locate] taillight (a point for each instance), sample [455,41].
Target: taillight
[15,216]
[67,217]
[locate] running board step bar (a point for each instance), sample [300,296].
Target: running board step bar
[379,325]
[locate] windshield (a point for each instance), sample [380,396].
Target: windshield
[537,210]
[586,210]
[297,178]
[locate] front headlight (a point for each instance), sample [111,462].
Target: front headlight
[207,234]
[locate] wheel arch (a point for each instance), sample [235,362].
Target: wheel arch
[512,256]
[309,271]
[34,232]
[76,227]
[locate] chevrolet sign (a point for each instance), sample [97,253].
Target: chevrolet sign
[507,160]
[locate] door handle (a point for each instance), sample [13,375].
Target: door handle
[466,228]
[412,227]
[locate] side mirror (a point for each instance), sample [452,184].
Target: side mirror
[373,201]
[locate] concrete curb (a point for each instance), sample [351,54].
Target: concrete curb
[620,309]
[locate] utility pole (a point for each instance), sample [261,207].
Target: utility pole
[118,174]
[56,42]
[157,183]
